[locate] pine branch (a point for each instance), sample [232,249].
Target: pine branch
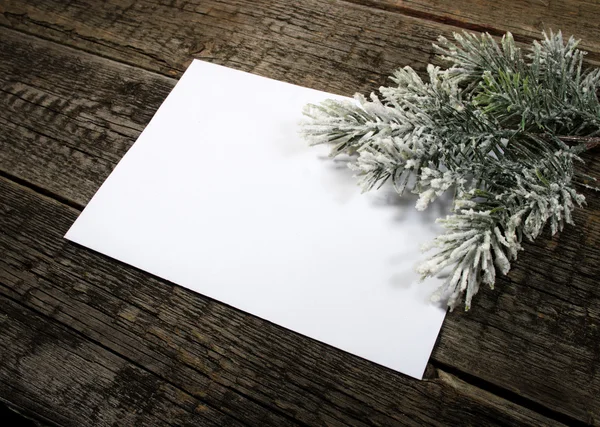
[500,127]
[588,142]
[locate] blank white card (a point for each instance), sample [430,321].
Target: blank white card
[221,195]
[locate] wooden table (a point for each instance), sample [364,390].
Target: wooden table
[85,340]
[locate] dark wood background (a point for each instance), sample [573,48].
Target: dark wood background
[85,340]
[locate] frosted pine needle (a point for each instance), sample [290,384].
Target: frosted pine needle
[500,127]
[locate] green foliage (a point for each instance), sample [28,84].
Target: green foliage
[491,128]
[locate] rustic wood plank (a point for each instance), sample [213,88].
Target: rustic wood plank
[536,336]
[52,371]
[335,46]
[300,42]
[66,126]
[526,19]
[11,415]
[91,341]
[105,121]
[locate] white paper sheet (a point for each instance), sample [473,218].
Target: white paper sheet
[222,196]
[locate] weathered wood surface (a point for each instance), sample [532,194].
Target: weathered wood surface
[524,18]
[337,46]
[108,343]
[70,113]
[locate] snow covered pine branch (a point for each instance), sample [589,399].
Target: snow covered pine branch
[500,127]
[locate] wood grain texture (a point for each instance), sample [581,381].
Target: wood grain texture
[65,378]
[299,42]
[526,19]
[107,343]
[71,116]
[335,46]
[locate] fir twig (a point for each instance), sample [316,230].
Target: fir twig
[588,142]
[500,126]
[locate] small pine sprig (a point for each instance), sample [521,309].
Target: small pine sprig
[500,127]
